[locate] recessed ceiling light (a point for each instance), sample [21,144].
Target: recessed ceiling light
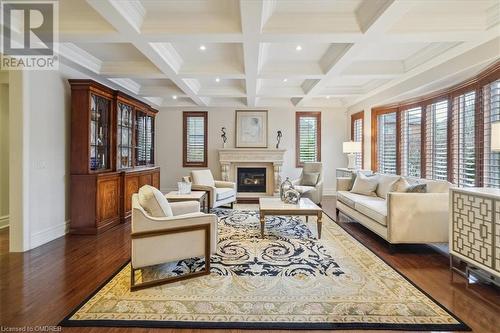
[285,79]
[203,47]
[174,97]
[298,48]
[217,79]
[328,97]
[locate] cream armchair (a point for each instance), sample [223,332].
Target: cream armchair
[219,192]
[157,240]
[312,190]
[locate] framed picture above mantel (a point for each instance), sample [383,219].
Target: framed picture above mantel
[251,128]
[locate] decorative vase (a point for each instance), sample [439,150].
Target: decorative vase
[292,196]
[286,185]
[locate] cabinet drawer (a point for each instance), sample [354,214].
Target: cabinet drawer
[472,223]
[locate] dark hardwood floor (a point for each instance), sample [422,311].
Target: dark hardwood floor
[42,286]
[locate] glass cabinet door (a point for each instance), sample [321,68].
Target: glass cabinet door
[124,136]
[144,136]
[99,133]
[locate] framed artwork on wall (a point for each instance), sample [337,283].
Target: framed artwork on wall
[251,129]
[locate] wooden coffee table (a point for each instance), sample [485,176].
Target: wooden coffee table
[274,206]
[200,196]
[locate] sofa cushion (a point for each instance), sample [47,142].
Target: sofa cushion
[154,202]
[365,185]
[303,189]
[349,198]
[224,193]
[386,184]
[202,177]
[401,185]
[373,207]
[309,178]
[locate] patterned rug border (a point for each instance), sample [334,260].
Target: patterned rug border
[66,322]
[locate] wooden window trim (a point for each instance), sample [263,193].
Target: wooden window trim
[476,84]
[354,117]
[185,116]
[298,115]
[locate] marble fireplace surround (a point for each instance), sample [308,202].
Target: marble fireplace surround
[231,159]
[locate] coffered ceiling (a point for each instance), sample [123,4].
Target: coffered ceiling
[258,53]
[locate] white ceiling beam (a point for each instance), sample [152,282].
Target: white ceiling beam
[382,19]
[124,16]
[251,23]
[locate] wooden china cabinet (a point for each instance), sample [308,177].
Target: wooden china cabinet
[112,155]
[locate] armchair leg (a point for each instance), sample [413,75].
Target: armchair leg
[232,205]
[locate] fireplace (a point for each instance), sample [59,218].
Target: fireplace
[251,180]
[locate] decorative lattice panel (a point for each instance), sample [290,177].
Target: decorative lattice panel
[497,236]
[473,227]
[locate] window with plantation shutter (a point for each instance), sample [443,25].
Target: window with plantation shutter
[463,139]
[387,142]
[411,142]
[308,137]
[357,120]
[491,160]
[436,140]
[195,139]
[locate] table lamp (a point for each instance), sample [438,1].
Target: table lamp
[495,136]
[351,148]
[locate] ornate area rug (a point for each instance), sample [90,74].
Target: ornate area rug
[289,280]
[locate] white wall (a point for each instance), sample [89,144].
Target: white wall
[169,141]
[4,155]
[49,97]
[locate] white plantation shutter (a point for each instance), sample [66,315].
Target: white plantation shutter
[411,139]
[357,136]
[195,141]
[308,141]
[463,139]
[436,141]
[386,140]
[491,160]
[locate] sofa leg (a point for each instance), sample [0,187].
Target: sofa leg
[337,214]
[393,248]
[232,205]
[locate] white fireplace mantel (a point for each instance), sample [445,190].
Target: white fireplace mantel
[229,157]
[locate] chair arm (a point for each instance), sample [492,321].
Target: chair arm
[344,183]
[224,184]
[296,182]
[210,190]
[417,217]
[185,207]
[142,223]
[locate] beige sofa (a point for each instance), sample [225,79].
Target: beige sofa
[402,217]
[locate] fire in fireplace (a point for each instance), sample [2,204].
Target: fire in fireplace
[251,180]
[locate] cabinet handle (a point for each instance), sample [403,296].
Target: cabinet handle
[484,231]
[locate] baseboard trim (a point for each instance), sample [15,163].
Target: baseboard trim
[4,221]
[49,234]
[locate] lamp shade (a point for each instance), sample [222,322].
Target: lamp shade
[350,147]
[495,136]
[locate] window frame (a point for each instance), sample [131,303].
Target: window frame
[475,84]
[185,116]
[359,116]
[298,115]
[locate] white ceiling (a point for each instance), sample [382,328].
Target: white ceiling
[259,53]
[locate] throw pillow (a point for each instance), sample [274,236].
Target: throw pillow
[386,184]
[366,185]
[309,178]
[154,202]
[401,185]
[418,188]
